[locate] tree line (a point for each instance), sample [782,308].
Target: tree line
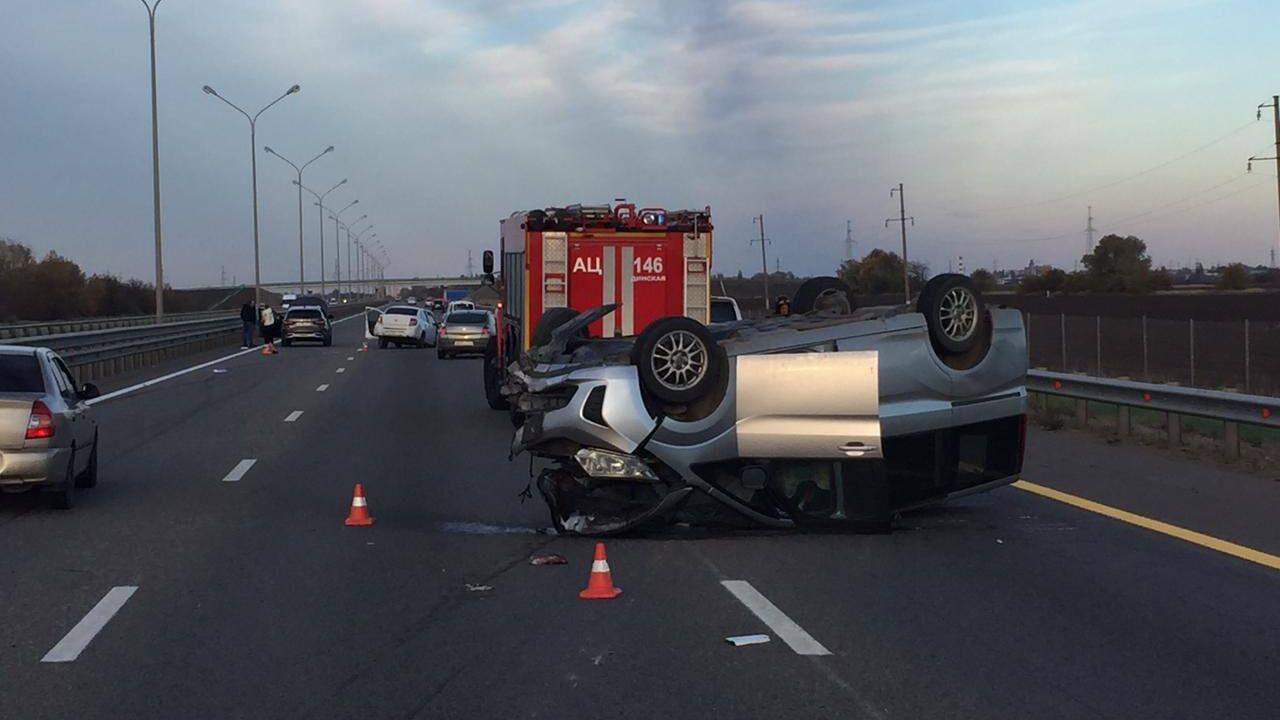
[55,288]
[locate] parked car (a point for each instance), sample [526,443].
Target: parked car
[465,332]
[725,309]
[459,306]
[48,435]
[303,322]
[833,417]
[312,301]
[406,325]
[411,300]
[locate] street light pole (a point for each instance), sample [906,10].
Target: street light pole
[302,267]
[155,164]
[253,151]
[362,232]
[337,248]
[320,204]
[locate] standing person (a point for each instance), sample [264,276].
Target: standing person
[267,323]
[248,318]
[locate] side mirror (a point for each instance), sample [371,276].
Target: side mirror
[89,391]
[486,262]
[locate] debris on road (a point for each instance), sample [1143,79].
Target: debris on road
[552,559]
[741,640]
[478,588]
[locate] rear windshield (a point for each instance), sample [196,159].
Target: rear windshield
[468,318]
[722,311]
[304,314]
[20,374]
[402,311]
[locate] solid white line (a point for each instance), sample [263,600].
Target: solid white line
[342,370]
[322,388]
[293,416]
[239,470]
[74,642]
[786,628]
[163,378]
[155,381]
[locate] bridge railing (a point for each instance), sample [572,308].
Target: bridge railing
[16,331]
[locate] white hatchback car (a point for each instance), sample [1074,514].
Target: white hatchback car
[406,325]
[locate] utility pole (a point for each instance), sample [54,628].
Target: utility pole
[1275,111]
[848,239]
[902,220]
[471,266]
[764,262]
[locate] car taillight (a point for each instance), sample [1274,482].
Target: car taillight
[413,321]
[40,424]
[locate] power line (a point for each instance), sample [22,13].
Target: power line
[1114,183]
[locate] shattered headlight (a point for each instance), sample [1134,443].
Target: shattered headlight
[605,464]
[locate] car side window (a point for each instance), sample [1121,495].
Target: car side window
[66,385]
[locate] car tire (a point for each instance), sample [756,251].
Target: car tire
[65,497]
[547,324]
[89,478]
[286,342]
[677,360]
[422,341]
[492,376]
[328,340]
[955,313]
[382,343]
[817,292]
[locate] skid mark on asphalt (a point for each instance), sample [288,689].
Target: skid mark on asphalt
[239,470]
[322,388]
[75,641]
[791,633]
[293,416]
[1191,536]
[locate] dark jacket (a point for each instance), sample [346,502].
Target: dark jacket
[247,313]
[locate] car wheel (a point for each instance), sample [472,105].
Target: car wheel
[677,359]
[547,324]
[89,478]
[422,341]
[955,313]
[492,376]
[65,497]
[382,344]
[328,340]
[826,294]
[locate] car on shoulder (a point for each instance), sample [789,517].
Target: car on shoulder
[308,323]
[48,434]
[835,417]
[465,332]
[405,325]
[459,306]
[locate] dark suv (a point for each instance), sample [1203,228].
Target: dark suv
[306,323]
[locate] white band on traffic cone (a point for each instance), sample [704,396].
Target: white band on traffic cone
[358,502]
[600,566]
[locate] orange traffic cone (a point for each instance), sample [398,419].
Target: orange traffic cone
[600,585]
[359,516]
[364,346]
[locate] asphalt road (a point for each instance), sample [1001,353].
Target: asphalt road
[254,601]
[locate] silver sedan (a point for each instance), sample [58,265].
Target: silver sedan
[48,437]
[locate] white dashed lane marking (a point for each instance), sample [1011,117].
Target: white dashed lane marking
[239,470]
[342,370]
[351,357]
[322,388]
[74,642]
[786,628]
[293,416]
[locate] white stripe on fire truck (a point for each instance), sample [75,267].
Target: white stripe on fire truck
[628,291]
[610,287]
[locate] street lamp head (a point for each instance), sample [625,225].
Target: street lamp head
[268,149]
[294,89]
[344,181]
[329,149]
[209,91]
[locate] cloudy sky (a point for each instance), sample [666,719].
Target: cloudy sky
[1006,120]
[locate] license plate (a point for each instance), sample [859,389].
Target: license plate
[464,342]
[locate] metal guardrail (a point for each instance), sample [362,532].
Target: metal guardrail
[17,331]
[1233,409]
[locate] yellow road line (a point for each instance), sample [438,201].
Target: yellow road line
[1191,536]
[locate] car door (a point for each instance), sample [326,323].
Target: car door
[81,424]
[429,318]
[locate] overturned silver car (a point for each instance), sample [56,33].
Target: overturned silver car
[833,418]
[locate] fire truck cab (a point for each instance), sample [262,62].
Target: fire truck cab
[651,261]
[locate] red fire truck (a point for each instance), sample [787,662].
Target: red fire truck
[558,261]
